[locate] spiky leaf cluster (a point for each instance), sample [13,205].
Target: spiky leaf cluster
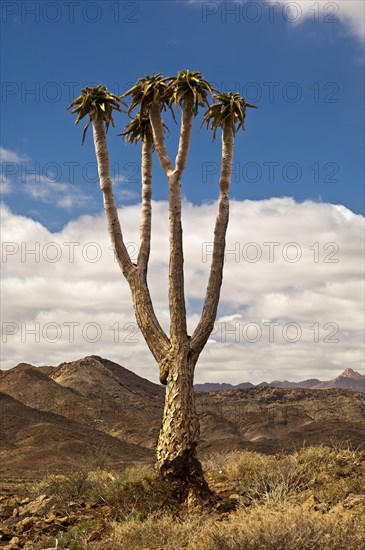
[147,91]
[137,128]
[95,102]
[227,106]
[188,86]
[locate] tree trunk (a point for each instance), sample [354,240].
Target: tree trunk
[176,449]
[177,356]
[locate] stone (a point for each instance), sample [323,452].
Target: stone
[13,544]
[24,524]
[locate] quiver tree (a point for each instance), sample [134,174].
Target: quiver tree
[176,353]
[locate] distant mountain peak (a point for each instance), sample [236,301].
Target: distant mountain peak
[350,373]
[348,379]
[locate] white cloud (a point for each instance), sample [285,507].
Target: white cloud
[31,180]
[5,185]
[70,278]
[62,194]
[348,12]
[7,155]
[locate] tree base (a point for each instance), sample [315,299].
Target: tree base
[186,473]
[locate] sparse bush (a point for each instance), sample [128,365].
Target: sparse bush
[215,462]
[71,486]
[327,474]
[76,536]
[261,478]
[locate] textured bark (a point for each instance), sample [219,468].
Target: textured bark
[179,434]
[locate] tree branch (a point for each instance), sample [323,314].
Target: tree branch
[154,335]
[176,268]
[187,117]
[145,229]
[111,212]
[159,139]
[209,313]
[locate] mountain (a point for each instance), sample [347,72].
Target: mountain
[348,380]
[34,442]
[54,417]
[92,391]
[269,419]
[211,386]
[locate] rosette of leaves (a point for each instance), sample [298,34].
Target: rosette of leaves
[96,102]
[188,86]
[147,91]
[227,106]
[138,128]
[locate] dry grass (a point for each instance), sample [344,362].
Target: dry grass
[286,528]
[308,500]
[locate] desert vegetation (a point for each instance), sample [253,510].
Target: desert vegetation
[312,498]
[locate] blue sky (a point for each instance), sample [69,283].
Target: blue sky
[306,140]
[298,177]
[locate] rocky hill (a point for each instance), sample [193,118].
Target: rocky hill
[94,409]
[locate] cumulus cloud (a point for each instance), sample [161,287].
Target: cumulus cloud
[290,303]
